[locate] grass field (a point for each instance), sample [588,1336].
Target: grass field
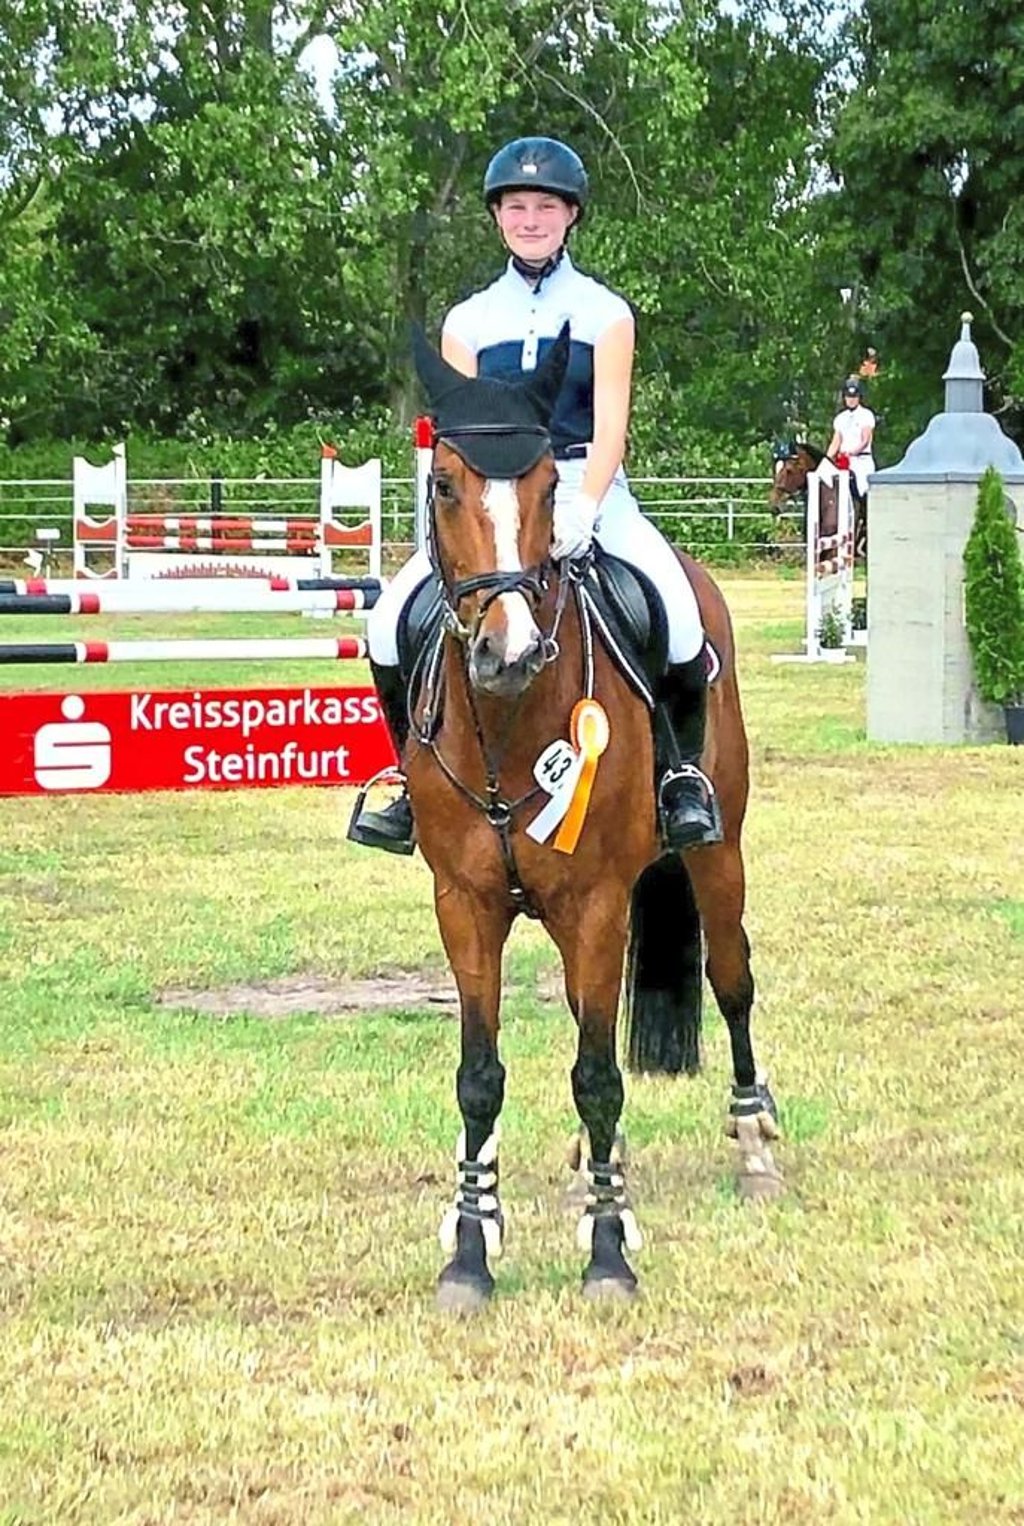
[218,1233]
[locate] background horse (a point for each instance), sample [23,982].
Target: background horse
[510,670]
[794,463]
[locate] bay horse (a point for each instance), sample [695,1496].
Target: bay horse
[512,684]
[794,463]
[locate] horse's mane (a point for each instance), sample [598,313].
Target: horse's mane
[788,450]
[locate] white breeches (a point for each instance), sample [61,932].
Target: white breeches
[861,468]
[621,529]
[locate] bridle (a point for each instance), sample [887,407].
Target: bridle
[533,584]
[783,456]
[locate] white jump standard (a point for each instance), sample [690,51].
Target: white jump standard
[828,574]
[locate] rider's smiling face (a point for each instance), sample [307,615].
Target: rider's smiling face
[534,223]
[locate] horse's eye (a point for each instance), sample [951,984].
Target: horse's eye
[444,491]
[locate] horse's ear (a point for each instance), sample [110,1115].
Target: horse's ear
[436,375]
[546,382]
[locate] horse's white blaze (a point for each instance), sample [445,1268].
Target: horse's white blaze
[501,504]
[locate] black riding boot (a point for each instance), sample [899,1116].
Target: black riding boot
[688,809]
[391,828]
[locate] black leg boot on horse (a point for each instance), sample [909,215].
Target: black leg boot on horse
[688,809]
[391,828]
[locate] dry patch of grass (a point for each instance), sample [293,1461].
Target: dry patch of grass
[285,996]
[217,1239]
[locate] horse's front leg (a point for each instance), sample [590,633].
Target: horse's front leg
[472,1229]
[718,883]
[592,943]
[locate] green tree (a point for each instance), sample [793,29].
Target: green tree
[36,312]
[928,157]
[214,253]
[994,597]
[744,328]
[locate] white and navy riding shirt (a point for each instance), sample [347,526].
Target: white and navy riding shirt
[509,327]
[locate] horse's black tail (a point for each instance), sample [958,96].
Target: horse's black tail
[663,972]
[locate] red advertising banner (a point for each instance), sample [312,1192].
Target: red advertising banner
[189,739]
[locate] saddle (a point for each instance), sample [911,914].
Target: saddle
[630,615]
[623,606]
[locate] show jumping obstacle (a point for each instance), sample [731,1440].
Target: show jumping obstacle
[829,575]
[190,563]
[165,564]
[228,649]
[221,544]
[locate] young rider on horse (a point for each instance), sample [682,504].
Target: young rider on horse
[853,430]
[536,191]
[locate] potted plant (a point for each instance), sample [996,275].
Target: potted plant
[994,604]
[831,634]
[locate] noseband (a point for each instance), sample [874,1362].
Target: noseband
[532,584]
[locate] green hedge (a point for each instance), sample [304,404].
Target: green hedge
[276,453]
[296,453]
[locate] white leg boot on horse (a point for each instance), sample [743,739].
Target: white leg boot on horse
[607,1229]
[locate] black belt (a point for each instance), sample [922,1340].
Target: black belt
[571,452]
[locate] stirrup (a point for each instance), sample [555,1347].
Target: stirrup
[370,828]
[699,826]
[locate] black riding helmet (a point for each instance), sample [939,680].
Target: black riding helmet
[852,388]
[537,164]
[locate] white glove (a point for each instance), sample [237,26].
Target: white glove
[573,526]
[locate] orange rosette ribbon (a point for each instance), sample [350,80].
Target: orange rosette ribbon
[590,734]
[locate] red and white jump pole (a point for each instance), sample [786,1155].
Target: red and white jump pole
[256,649]
[188,587]
[182,598]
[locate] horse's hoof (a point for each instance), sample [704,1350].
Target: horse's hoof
[600,1289]
[460,1293]
[760,1186]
